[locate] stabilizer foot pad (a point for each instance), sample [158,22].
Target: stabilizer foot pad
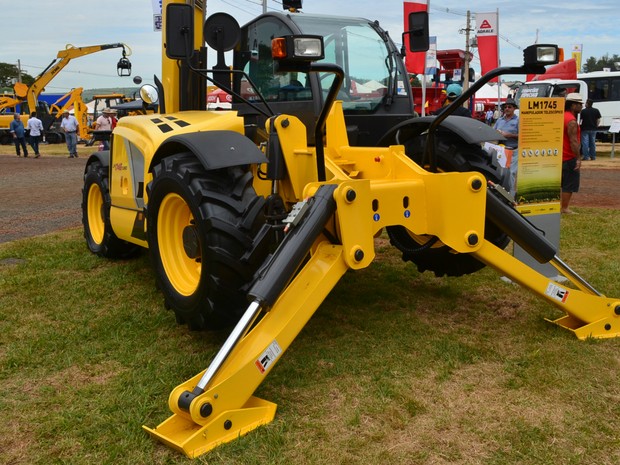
[181,433]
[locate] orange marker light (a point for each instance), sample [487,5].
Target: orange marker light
[278,48]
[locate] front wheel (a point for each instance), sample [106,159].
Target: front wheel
[96,203]
[200,224]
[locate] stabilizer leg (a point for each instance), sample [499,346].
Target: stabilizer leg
[217,405]
[233,411]
[588,313]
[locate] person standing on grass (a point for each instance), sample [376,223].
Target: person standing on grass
[508,126]
[571,150]
[35,126]
[16,128]
[105,123]
[590,121]
[70,125]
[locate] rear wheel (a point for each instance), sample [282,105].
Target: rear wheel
[200,224]
[100,237]
[453,154]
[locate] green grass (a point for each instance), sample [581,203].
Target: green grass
[396,367]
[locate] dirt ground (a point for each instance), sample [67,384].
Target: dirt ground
[38,196]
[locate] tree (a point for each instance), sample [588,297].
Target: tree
[594,64]
[8,75]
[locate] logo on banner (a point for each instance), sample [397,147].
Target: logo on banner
[485,27]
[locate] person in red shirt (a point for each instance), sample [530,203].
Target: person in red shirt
[571,150]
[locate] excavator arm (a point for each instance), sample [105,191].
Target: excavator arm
[73,98]
[31,94]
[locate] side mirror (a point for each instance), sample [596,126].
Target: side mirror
[179,31]
[222,33]
[541,55]
[148,94]
[418,32]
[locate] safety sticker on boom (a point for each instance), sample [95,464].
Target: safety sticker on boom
[556,292]
[269,356]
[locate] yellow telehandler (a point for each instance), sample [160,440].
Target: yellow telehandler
[252,225]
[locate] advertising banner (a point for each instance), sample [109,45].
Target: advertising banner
[576,54]
[414,61]
[487,30]
[539,176]
[157,16]
[431,56]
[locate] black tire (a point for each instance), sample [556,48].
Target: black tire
[5,139]
[53,138]
[453,155]
[200,223]
[100,237]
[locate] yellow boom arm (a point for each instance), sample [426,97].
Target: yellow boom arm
[31,94]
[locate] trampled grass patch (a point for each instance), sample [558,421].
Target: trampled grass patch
[396,367]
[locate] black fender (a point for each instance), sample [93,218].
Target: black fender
[214,149]
[470,130]
[102,156]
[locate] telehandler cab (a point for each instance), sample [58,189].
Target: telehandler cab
[227,221]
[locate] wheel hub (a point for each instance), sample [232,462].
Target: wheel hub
[191,242]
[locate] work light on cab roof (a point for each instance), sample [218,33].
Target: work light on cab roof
[542,54]
[300,48]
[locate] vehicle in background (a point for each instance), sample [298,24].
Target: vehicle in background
[604,90]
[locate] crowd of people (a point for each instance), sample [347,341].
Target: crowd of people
[33,131]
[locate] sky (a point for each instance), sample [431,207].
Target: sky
[34,31]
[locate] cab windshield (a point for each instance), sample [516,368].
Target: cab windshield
[369,72]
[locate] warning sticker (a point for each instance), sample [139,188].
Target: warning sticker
[556,292]
[268,357]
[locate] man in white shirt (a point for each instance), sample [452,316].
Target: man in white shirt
[35,126]
[70,125]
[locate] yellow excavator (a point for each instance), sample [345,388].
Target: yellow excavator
[27,96]
[252,216]
[71,100]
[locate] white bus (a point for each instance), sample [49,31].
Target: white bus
[604,90]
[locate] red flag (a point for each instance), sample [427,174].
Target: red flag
[487,28]
[415,62]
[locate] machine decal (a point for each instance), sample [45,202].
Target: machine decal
[269,356]
[165,127]
[556,292]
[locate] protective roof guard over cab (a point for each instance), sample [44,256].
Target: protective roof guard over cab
[277,218]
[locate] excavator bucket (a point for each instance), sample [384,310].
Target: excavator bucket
[20,89]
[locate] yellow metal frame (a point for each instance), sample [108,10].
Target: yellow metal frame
[376,187]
